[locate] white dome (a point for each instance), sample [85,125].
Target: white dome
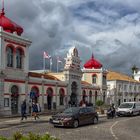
[73,51]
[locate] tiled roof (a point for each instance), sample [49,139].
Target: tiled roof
[39,75]
[112,75]
[85,83]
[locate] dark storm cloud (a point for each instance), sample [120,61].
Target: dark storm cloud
[109,29]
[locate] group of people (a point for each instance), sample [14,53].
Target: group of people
[84,102]
[35,109]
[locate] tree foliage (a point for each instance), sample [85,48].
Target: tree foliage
[29,136]
[99,103]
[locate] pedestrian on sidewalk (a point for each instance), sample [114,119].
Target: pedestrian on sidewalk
[23,110]
[35,110]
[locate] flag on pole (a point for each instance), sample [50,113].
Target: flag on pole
[58,61]
[46,55]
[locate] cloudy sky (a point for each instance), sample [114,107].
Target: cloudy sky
[108,28]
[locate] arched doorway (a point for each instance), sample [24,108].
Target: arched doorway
[34,94]
[14,99]
[84,96]
[90,96]
[73,97]
[61,96]
[49,98]
[96,96]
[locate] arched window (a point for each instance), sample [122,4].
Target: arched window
[14,91]
[34,94]
[9,57]
[18,58]
[90,96]
[75,52]
[84,94]
[50,92]
[61,95]
[94,78]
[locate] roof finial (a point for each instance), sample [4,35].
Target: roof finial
[2,8]
[92,56]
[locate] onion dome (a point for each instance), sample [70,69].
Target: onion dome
[92,63]
[8,25]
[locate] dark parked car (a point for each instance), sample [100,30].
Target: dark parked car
[75,116]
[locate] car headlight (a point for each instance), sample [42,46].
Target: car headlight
[130,110]
[67,119]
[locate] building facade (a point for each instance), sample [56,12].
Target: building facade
[50,90]
[122,88]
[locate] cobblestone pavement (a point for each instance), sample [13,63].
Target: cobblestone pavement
[111,129]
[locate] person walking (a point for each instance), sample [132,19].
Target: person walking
[35,110]
[23,110]
[38,107]
[113,110]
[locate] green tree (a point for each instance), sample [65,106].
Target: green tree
[99,103]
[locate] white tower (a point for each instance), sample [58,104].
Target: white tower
[73,75]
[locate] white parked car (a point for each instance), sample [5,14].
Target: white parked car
[128,109]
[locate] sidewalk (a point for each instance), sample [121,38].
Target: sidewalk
[6,122]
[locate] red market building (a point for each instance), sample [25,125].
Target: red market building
[51,90]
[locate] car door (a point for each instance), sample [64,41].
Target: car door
[82,116]
[90,115]
[137,108]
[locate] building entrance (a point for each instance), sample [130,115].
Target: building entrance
[73,97]
[49,98]
[14,99]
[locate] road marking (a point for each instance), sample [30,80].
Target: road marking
[95,127]
[111,128]
[68,132]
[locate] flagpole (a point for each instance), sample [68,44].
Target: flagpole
[57,66]
[44,64]
[50,64]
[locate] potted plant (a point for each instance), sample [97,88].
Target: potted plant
[99,103]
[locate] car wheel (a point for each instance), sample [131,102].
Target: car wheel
[95,120]
[118,115]
[75,123]
[132,114]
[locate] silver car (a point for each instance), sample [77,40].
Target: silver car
[128,109]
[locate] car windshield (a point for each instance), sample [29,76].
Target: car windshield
[126,105]
[71,110]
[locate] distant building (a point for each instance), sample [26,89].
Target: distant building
[122,88]
[51,90]
[136,75]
